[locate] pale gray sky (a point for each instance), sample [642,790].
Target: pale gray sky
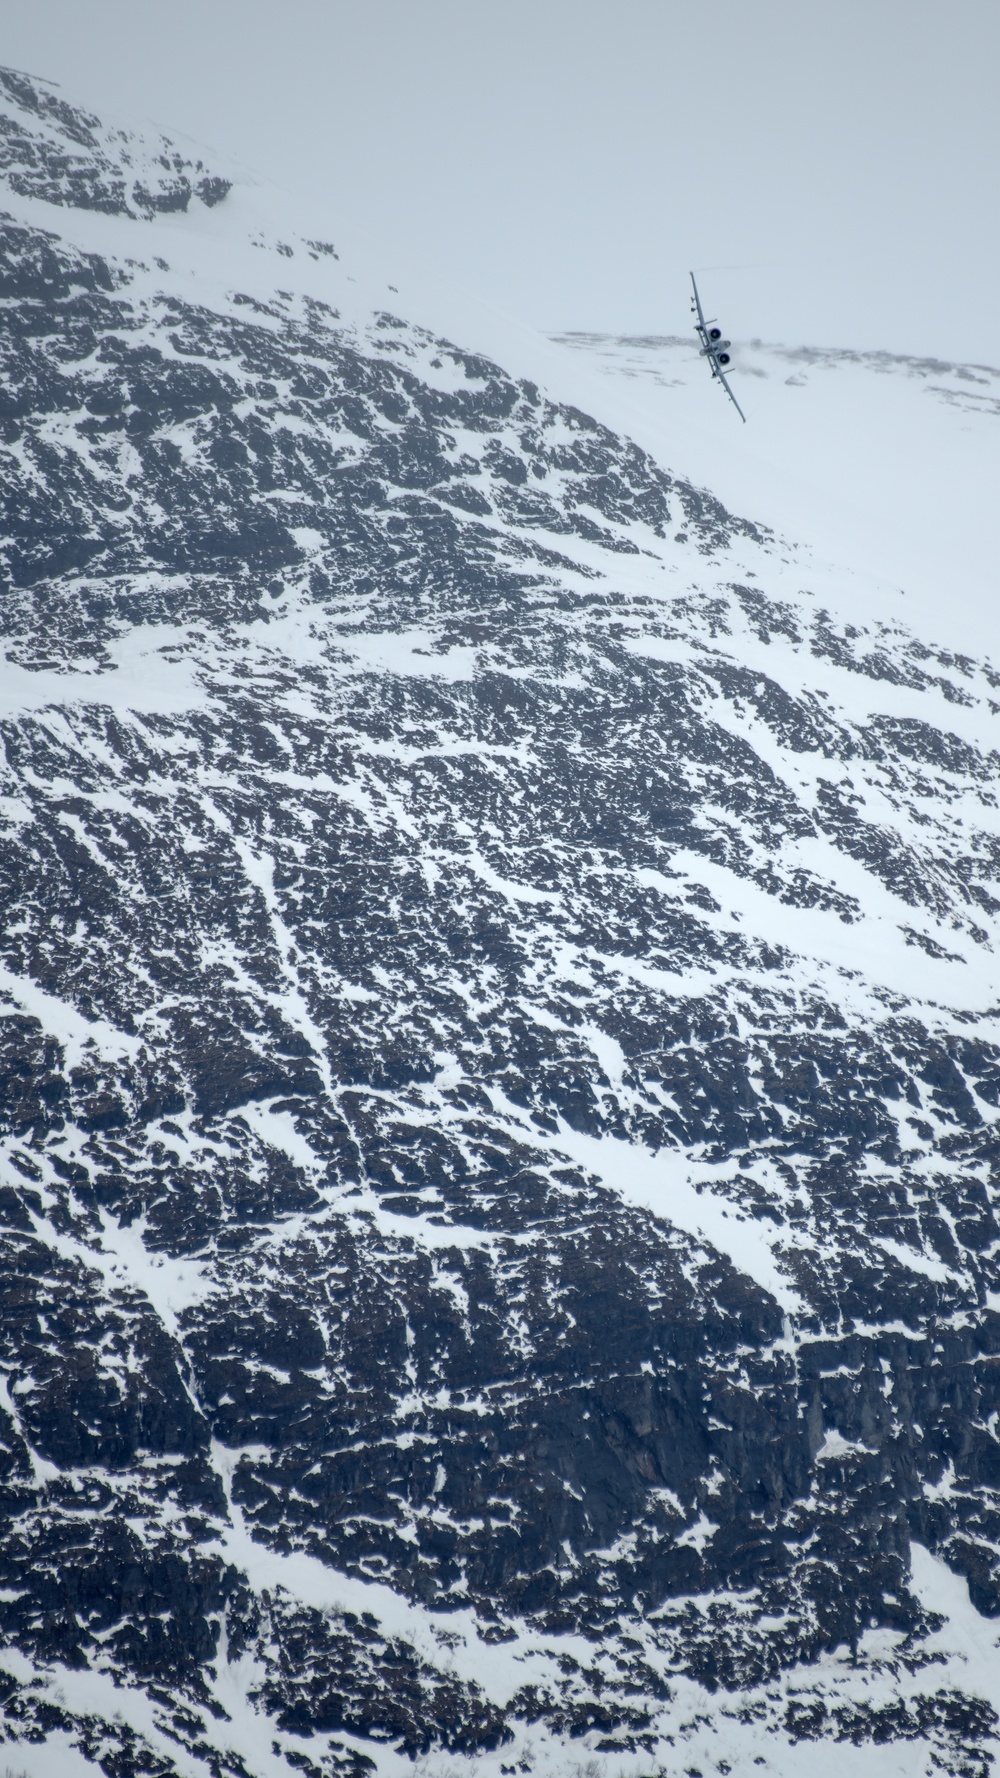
[569,161]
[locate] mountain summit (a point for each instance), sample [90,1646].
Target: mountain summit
[501,1057]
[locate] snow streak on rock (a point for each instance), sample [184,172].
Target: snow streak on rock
[501,1061]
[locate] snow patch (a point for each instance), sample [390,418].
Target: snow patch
[410,653]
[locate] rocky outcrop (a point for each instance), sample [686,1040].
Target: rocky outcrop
[500,1062]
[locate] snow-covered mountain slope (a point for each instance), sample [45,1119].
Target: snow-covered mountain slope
[884,464]
[502,1061]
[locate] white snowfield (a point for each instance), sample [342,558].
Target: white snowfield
[884,467]
[878,478]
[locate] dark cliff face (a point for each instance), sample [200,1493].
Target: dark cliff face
[500,1060]
[54,151]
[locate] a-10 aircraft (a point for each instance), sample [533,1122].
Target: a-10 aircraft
[714,348]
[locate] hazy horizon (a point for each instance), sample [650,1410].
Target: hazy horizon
[569,163]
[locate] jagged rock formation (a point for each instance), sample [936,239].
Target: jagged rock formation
[501,1059]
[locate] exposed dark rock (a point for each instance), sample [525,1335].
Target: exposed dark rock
[499,1094]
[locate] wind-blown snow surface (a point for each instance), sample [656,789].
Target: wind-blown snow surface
[501,1020]
[884,464]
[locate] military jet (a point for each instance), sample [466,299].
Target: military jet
[714,348]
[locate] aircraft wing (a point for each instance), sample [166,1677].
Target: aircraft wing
[697,304]
[725,384]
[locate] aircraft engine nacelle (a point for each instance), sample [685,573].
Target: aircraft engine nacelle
[717,345]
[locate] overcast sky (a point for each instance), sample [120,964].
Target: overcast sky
[569,160]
